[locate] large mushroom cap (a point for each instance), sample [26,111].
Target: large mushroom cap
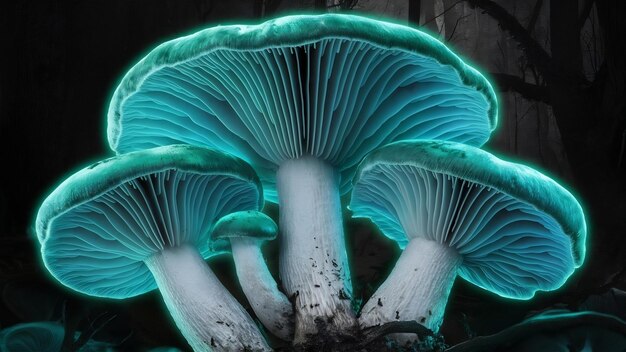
[332,86]
[517,230]
[98,226]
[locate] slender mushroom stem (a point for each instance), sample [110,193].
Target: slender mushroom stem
[313,260]
[417,288]
[205,312]
[269,304]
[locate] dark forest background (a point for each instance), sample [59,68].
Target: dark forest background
[559,66]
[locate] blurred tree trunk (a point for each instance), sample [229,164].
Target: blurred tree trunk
[414,12]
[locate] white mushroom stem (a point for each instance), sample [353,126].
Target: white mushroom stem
[269,304]
[313,260]
[417,288]
[208,316]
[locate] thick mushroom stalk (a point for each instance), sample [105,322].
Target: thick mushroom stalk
[417,288]
[456,209]
[247,230]
[208,321]
[313,256]
[141,220]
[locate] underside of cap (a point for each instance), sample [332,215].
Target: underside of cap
[511,245]
[98,227]
[108,174]
[331,86]
[482,168]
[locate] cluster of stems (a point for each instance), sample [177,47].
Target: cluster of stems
[314,303]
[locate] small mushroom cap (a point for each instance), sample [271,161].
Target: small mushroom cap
[247,224]
[332,86]
[100,224]
[517,230]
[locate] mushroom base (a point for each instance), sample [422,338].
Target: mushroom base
[417,288]
[205,312]
[313,260]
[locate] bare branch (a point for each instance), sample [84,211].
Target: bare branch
[98,324]
[535,52]
[507,83]
[442,13]
[456,25]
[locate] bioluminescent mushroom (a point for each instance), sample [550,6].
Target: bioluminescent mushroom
[131,223]
[43,336]
[303,99]
[456,209]
[245,232]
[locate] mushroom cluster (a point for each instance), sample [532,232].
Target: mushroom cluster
[307,103]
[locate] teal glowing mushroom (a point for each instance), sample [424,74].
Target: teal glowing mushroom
[303,99]
[457,210]
[131,223]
